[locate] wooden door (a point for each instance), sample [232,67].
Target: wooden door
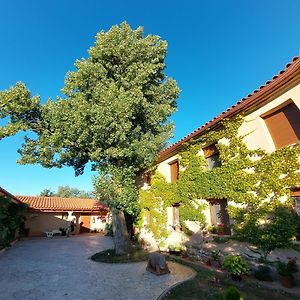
[219,214]
[85,223]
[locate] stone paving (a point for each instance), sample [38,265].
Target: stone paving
[60,268]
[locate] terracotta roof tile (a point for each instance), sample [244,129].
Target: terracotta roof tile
[245,102]
[58,203]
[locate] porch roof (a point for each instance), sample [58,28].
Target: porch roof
[62,204]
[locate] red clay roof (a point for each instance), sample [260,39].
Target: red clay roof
[62,204]
[256,97]
[6,193]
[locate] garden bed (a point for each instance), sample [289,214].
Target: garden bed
[209,284]
[109,256]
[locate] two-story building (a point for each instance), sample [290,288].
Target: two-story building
[271,121]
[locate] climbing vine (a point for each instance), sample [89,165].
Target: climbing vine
[246,178]
[12,218]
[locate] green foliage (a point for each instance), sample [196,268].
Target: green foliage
[292,265]
[263,273]
[67,192]
[248,178]
[116,186]
[12,218]
[153,207]
[232,293]
[283,270]
[235,265]
[216,254]
[115,113]
[162,195]
[268,226]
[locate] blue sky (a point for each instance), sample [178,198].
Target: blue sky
[219,51]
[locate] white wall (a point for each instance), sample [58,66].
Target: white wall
[258,136]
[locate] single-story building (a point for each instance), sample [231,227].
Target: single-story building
[3,205]
[51,213]
[5,193]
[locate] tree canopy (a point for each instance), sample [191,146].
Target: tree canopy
[115,112]
[67,192]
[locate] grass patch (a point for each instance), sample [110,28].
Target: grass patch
[109,256]
[209,285]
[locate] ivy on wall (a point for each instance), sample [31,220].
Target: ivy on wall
[246,177]
[12,218]
[154,203]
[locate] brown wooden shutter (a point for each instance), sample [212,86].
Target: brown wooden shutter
[210,150]
[284,125]
[174,170]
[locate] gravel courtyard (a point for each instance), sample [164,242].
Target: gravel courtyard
[60,268]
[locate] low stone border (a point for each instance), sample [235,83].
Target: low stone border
[164,293]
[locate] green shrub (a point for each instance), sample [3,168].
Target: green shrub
[276,230]
[215,254]
[292,265]
[263,273]
[235,265]
[12,218]
[232,293]
[283,270]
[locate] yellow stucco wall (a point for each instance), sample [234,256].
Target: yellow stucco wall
[38,222]
[254,126]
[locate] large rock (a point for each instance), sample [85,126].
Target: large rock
[157,264]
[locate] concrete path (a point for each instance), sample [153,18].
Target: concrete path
[60,268]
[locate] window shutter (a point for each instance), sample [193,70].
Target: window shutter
[284,125]
[174,171]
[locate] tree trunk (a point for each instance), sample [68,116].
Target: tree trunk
[121,238]
[129,224]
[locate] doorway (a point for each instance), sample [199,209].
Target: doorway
[219,215]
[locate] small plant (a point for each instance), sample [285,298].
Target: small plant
[283,270]
[215,254]
[236,266]
[292,265]
[263,273]
[232,293]
[175,249]
[286,277]
[216,229]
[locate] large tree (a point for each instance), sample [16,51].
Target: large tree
[67,192]
[115,114]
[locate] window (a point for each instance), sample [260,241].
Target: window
[212,156]
[284,125]
[174,167]
[297,205]
[295,193]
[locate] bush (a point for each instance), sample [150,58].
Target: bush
[12,218]
[235,265]
[263,273]
[277,230]
[232,293]
[283,270]
[292,265]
